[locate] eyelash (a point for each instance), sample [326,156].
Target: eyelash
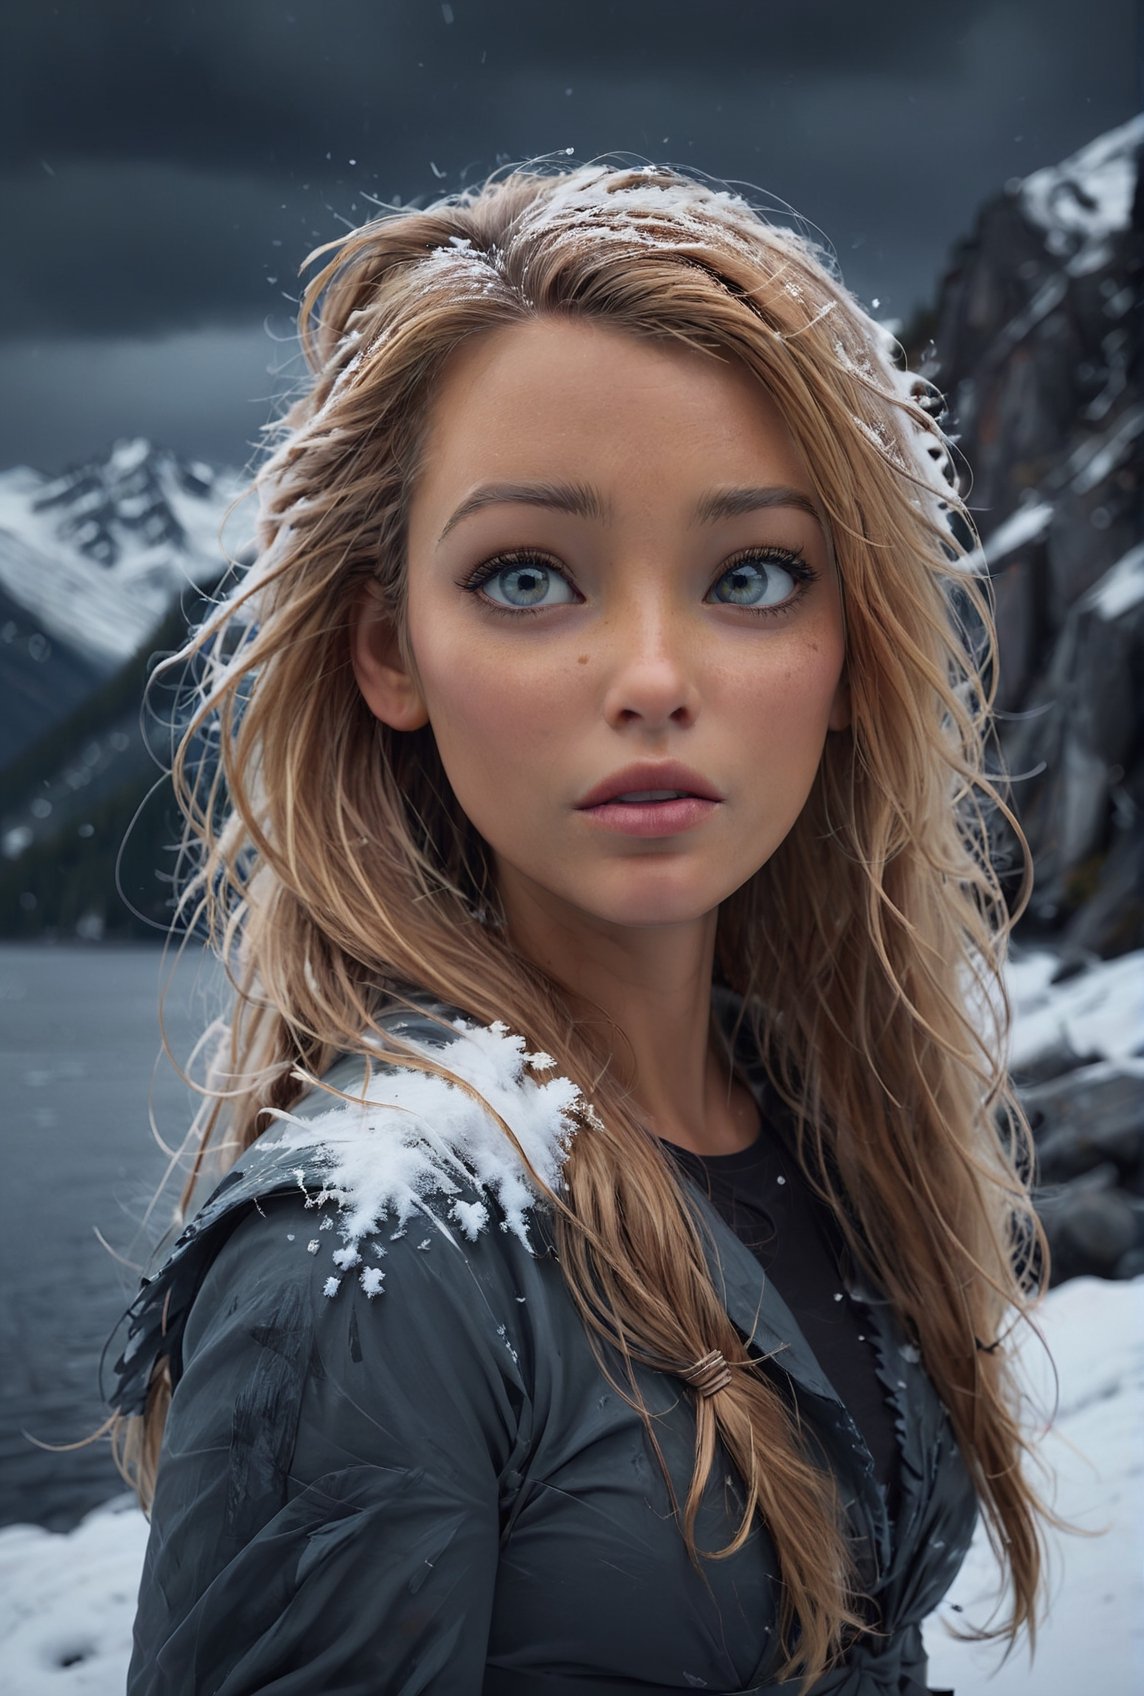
[792,560]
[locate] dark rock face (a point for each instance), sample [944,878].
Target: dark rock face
[1089,1130]
[1038,351]
[1092,1118]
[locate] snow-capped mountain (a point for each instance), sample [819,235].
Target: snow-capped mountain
[1086,200]
[97,555]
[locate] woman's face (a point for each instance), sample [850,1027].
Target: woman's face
[614,562]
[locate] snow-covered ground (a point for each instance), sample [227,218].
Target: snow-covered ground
[67,1600]
[1091,1640]
[67,1603]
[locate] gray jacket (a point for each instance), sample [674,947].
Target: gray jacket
[434,1488]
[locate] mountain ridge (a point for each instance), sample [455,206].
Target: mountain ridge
[98,552]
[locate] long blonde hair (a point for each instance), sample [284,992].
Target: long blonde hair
[334,869]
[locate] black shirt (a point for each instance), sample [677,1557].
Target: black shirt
[768,1203]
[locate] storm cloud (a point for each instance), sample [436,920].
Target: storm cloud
[165,170]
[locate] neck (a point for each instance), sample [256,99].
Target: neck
[650,987]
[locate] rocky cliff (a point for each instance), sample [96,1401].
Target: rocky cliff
[1037,348]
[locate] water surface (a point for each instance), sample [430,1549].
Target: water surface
[81,1071]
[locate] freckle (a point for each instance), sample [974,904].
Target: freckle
[582,659]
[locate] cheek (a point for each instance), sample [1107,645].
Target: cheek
[785,707]
[802,691]
[497,713]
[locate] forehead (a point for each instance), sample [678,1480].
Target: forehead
[517,397]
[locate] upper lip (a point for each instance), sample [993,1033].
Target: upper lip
[647,776]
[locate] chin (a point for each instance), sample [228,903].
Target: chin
[655,919]
[637,908]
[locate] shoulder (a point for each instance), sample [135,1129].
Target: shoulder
[386,1185]
[474,1120]
[312,1343]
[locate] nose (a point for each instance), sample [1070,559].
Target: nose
[652,669]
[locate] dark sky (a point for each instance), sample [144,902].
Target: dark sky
[166,167]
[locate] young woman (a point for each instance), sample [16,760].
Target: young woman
[610,1285]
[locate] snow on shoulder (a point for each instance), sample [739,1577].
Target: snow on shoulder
[411,1144]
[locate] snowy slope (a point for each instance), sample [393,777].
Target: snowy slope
[98,554]
[1091,1641]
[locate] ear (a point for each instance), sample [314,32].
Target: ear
[840,706]
[389,687]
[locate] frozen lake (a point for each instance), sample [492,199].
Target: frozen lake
[81,1068]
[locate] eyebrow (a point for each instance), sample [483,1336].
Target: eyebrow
[732,503]
[561,497]
[584,502]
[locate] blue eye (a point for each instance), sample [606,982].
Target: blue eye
[761,580]
[524,583]
[755,580]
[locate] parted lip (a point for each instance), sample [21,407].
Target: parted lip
[650,776]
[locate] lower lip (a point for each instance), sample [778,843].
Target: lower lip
[651,818]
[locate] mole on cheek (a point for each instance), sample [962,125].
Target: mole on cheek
[582,659]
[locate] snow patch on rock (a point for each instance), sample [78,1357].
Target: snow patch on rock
[1121,588]
[1027,524]
[1100,1011]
